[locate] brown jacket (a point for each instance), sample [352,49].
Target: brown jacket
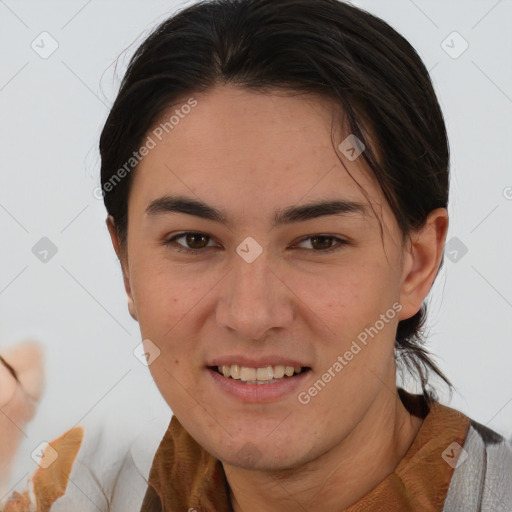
[453,465]
[185,477]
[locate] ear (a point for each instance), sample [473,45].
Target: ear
[421,261]
[123,259]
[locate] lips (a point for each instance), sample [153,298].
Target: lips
[258,391]
[257,379]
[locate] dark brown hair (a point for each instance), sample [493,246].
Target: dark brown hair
[324,47]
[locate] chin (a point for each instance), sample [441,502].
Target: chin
[251,459]
[259,455]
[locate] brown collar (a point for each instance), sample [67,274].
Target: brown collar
[184,476]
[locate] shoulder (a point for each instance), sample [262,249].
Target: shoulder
[482,479]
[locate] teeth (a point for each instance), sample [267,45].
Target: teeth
[265,374]
[278,372]
[235,371]
[247,373]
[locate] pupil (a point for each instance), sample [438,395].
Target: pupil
[325,239]
[192,236]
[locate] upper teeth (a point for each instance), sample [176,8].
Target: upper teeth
[247,374]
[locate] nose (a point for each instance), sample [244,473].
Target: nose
[254,299]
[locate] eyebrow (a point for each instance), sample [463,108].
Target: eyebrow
[180,204]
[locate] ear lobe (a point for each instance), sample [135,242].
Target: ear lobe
[124,265]
[131,307]
[421,262]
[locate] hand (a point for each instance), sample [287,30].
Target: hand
[21,387]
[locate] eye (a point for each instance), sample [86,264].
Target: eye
[325,242]
[197,242]
[193,239]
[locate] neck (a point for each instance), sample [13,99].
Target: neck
[340,477]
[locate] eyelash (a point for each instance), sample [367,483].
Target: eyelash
[179,248]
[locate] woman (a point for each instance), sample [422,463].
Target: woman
[276,179]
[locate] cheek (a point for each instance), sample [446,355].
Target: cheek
[353,316]
[351,296]
[162,294]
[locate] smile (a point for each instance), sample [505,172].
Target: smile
[263,375]
[258,385]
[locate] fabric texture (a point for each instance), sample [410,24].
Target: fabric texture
[431,477]
[483,480]
[454,464]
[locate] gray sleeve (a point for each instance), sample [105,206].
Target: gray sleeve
[483,480]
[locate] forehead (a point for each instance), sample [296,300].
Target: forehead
[251,150]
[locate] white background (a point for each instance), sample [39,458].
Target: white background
[52,111]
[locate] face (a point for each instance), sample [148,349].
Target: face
[266,282]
